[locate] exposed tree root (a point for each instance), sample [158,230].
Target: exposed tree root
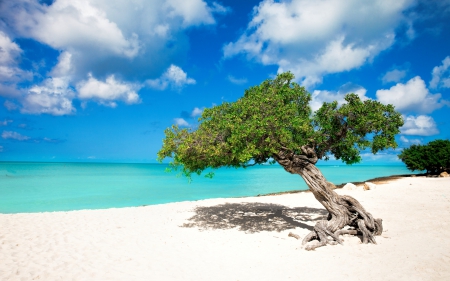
[360,221]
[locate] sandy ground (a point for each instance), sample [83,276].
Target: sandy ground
[233,239]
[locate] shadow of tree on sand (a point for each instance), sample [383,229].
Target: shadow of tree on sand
[254,217]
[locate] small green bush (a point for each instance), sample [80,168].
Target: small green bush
[433,157]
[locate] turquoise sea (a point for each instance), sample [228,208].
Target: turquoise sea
[39,187]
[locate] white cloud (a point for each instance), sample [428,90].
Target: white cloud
[5,122]
[130,39]
[421,125]
[107,36]
[107,92]
[181,122]
[237,81]
[9,90]
[196,112]
[412,96]
[314,38]
[14,136]
[9,71]
[64,67]
[219,9]
[379,157]
[8,50]
[393,76]
[321,96]
[193,12]
[441,75]
[403,139]
[53,96]
[173,76]
[410,141]
[72,25]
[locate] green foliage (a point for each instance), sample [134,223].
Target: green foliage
[276,115]
[433,157]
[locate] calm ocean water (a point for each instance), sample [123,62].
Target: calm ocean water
[39,187]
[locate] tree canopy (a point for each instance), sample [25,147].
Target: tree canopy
[433,157]
[274,116]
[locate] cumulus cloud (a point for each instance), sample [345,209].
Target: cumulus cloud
[421,125]
[53,96]
[9,90]
[174,76]
[321,96]
[8,49]
[73,25]
[441,75]
[393,76]
[193,12]
[14,136]
[314,38]
[106,37]
[108,91]
[181,122]
[101,40]
[412,96]
[64,67]
[237,81]
[10,73]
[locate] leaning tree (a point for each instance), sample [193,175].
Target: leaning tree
[273,123]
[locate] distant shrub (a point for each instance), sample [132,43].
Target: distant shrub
[433,157]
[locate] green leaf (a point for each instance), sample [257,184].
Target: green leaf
[276,115]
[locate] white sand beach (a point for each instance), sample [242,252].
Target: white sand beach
[233,239]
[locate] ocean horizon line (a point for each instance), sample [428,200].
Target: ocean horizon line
[167,163]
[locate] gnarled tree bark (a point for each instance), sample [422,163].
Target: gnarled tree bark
[342,210]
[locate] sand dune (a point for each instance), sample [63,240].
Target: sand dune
[233,239]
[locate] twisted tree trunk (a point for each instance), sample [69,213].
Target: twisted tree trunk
[342,210]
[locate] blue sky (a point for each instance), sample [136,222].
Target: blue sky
[100,80]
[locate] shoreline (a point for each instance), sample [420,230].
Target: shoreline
[377,180]
[53,188]
[233,239]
